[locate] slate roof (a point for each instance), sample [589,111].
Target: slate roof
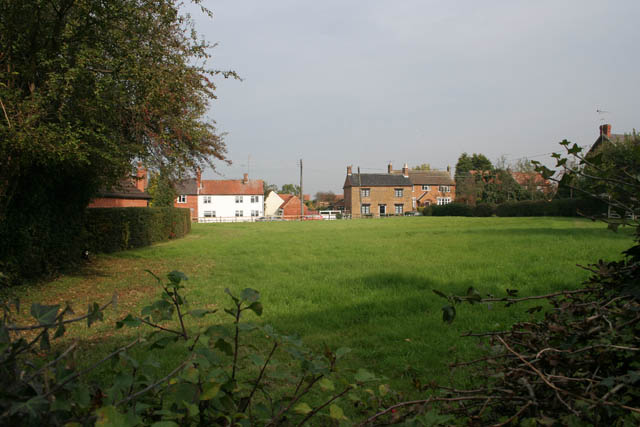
[187,186]
[376,180]
[431,178]
[125,189]
[613,138]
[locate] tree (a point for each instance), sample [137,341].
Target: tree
[473,174]
[268,188]
[423,167]
[290,189]
[87,88]
[161,188]
[325,196]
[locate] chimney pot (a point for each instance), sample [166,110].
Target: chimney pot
[389,168]
[605,130]
[198,180]
[349,170]
[245,179]
[141,177]
[405,170]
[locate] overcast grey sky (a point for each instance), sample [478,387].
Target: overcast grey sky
[361,83]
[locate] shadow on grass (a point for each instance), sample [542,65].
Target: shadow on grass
[584,233]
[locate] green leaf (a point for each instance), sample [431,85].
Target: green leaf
[448,313]
[250,295]
[211,390]
[302,408]
[336,412]
[32,406]
[228,292]
[129,321]
[165,423]
[326,384]
[363,375]
[224,347]
[256,307]
[108,416]
[44,341]
[44,314]
[201,312]
[175,277]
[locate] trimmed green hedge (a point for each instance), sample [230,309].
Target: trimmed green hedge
[558,207]
[115,229]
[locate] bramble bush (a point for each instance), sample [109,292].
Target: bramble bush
[224,379]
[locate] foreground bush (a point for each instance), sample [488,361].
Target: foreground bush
[558,207]
[115,229]
[234,374]
[452,209]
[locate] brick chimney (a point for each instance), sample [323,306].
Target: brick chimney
[245,178]
[141,177]
[389,168]
[405,170]
[449,170]
[348,170]
[198,180]
[605,130]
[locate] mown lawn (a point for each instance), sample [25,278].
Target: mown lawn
[363,284]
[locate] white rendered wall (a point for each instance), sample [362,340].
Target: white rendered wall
[272,203]
[226,207]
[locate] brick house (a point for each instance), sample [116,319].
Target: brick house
[227,200]
[429,187]
[129,192]
[374,195]
[286,206]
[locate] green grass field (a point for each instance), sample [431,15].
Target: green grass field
[364,284]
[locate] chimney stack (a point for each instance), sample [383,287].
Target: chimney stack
[389,168]
[348,170]
[245,179]
[405,170]
[605,130]
[141,177]
[449,170]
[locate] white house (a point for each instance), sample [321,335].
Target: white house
[229,200]
[272,204]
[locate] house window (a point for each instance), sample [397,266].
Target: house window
[413,205]
[254,199]
[209,214]
[444,200]
[365,209]
[425,188]
[255,213]
[239,213]
[444,189]
[398,192]
[182,198]
[238,200]
[365,192]
[206,199]
[280,212]
[399,209]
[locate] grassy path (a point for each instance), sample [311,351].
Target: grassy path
[364,284]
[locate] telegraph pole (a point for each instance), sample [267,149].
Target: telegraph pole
[301,194]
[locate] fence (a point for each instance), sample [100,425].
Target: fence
[225,219]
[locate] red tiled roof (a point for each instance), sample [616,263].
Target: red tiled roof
[525,178]
[232,187]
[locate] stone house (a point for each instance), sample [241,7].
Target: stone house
[429,187]
[377,194]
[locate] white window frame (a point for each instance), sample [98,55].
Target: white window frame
[255,199]
[209,214]
[365,209]
[444,189]
[444,201]
[398,192]
[426,188]
[398,208]
[206,199]
[239,213]
[182,198]
[255,212]
[365,192]
[238,199]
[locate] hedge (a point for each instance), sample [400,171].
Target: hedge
[558,207]
[115,229]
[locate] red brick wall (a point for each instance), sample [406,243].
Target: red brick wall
[192,203]
[108,202]
[432,194]
[293,208]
